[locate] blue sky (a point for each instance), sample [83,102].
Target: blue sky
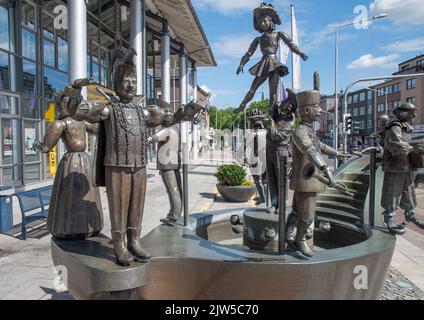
[374,51]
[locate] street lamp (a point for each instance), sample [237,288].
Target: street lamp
[336,86]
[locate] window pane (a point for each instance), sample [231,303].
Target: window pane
[95,74]
[28,44]
[30,135]
[29,78]
[11,176]
[49,53]
[28,15]
[4,71]
[9,105]
[63,54]
[7,24]
[32,173]
[53,80]
[48,26]
[10,131]
[30,106]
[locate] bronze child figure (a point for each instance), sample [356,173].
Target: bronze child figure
[121,156]
[265,18]
[307,152]
[75,211]
[399,169]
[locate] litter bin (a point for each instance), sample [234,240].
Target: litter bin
[6,212]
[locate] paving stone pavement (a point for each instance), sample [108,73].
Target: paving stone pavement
[397,287]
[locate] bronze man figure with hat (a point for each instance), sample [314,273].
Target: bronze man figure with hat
[121,155]
[265,18]
[399,169]
[307,152]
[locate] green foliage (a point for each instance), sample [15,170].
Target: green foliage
[228,119]
[231,175]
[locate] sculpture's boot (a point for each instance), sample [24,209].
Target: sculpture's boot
[123,256]
[392,225]
[310,231]
[301,244]
[134,245]
[410,216]
[291,227]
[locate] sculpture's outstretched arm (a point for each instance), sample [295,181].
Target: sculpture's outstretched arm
[159,136]
[248,54]
[52,136]
[292,46]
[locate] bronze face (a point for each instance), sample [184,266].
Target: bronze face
[266,24]
[311,113]
[126,90]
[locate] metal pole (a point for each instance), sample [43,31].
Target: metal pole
[194,138]
[77,45]
[372,188]
[184,133]
[166,67]
[136,40]
[336,99]
[282,199]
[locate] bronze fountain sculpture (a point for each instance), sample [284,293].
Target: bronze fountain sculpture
[265,18]
[121,156]
[399,169]
[75,210]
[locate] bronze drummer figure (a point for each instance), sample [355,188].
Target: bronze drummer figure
[121,156]
[265,18]
[399,169]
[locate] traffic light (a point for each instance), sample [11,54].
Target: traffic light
[347,122]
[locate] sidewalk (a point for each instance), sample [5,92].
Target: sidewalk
[27,272]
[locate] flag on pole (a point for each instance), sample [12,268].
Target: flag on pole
[284,56]
[296,78]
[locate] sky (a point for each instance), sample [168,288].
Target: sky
[373,50]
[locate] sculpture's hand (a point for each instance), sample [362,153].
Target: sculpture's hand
[330,177]
[304,56]
[81,83]
[37,146]
[240,69]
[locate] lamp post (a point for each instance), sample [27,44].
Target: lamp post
[336,84]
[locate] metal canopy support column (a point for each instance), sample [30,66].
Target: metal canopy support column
[166,67]
[77,32]
[195,150]
[137,42]
[184,131]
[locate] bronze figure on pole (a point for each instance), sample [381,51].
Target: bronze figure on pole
[265,19]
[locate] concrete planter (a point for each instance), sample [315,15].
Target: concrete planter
[236,193]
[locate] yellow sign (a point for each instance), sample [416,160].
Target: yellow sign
[52,157]
[50,113]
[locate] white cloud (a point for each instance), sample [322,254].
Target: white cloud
[401,12]
[233,46]
[410,45]
[228,7]
[369,61]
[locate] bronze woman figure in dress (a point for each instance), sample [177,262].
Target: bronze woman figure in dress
[75,210]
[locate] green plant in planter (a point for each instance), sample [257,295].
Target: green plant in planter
[231,175]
